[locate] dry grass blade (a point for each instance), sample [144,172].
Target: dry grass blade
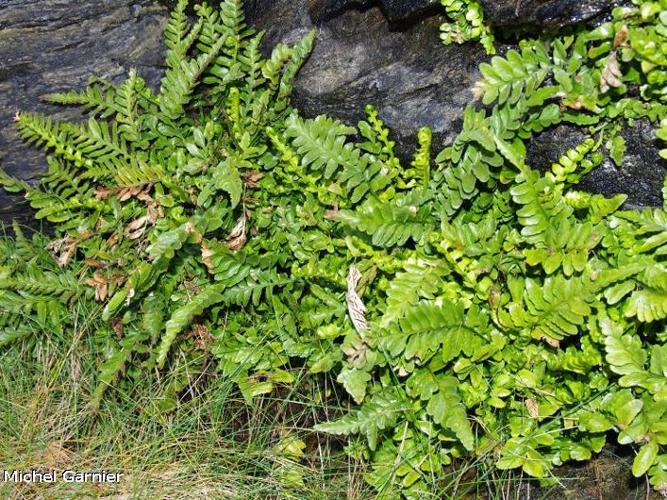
[63,250]
[611,74]
[355,306]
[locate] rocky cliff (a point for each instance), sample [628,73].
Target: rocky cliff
[384,52]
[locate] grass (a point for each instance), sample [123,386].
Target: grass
[210,446]
[213,445]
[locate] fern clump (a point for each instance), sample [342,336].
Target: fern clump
[465,22]
[154,196]
[471,305]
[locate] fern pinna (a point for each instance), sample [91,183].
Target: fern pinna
[506,315]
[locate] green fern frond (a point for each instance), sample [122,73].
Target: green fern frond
[253,288]
[177,26]
[466,22]
[99,97]
[12,184]
[421,163]
[101,143]
[64,180]
[377,138]
[429,328]
[568,164]
[109,371]
[57,209]
[182,317]
[505,79]
[598,206]
[273,66]
[321,143]
[300,52]
[467,162]
[128,99]
[179,82]
[251,59]
[552,310]
[380,412]
[420,279]
[222,70]
[236,31]
[63,286]
[448,411]
[624,351]
[11,335]
[542,208]
[647,305]
[569,247]
[652,231]
[44,132]
[387,224]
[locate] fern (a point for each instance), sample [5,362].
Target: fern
[321,144]
[42,131]
[647,305]
[379,413]
[209,221]
[542,207]
[133,193]
[507,78]
[109,373]
[426,327]
[35,294]
[422,161]
[420,279]
[182,317]
[99,97]
[128,98]
[446,408]
[179,82]
[466,22]
[387,225]
[555,310]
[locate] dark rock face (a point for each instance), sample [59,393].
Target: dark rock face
[550,14]
[640,177]
[55,45]
[642,173]
[394,10]
[323,10]
[397,10]
[383,52]
[361,58]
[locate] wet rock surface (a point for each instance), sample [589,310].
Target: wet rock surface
[394,10]
[397,10]
[640,177]
[383,52]
[360,57]
[550,14]
[642,173]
